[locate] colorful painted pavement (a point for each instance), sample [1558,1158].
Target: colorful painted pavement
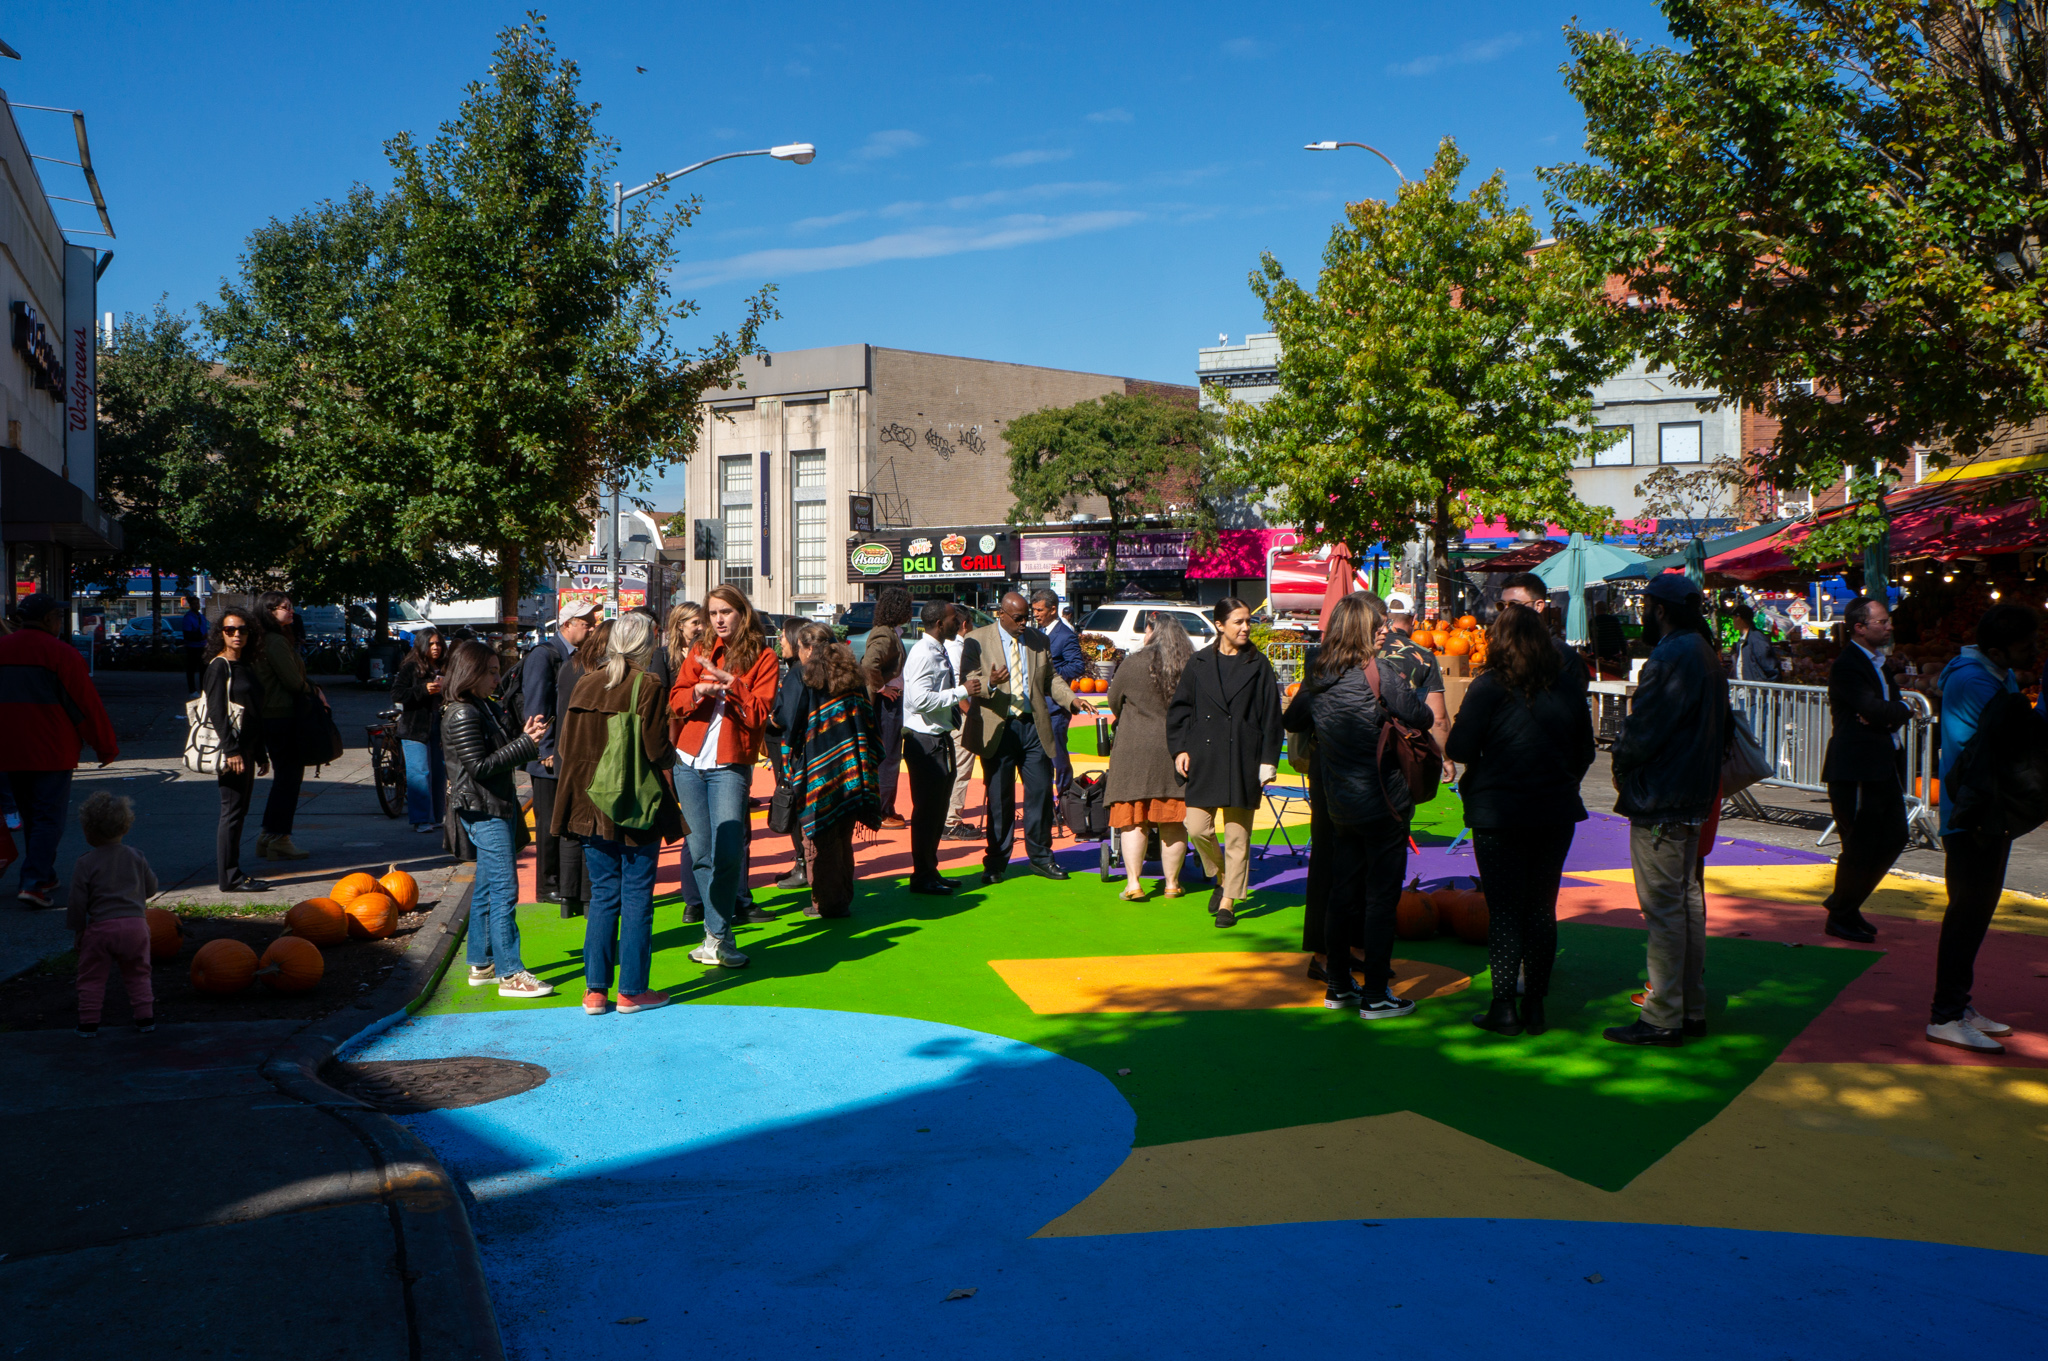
[1130,1134]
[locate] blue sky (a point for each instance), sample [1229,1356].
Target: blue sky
[1082,186]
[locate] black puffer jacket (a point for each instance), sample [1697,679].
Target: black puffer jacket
[1667,760]
[1345,716]
[417,708]
[482,754]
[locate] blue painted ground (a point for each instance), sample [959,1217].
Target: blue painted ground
[765,1183]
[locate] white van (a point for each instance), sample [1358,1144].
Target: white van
[1123,621]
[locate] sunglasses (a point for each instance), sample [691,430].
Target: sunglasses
[233,628]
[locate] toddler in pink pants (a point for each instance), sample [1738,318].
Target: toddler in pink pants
[107,908]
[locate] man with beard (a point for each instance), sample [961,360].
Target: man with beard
[1865,769]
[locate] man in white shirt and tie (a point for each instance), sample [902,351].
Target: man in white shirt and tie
[933,693]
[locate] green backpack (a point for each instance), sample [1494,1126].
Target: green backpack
[624,786]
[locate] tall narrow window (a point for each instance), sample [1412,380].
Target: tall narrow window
[736,509]
[807,493]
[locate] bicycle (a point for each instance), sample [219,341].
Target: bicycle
[387,763]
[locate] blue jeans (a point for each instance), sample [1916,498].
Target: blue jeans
[42,797]
[493,924]
[715,806]
[426,782]
[618,924]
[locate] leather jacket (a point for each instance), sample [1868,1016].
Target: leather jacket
[481,755]
[1346,718]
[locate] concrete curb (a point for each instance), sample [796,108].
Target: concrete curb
[448,1302]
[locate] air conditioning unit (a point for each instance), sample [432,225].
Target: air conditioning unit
[1795,504]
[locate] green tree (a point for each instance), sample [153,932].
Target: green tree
[1142,455]
[1440,372]
[1852,192]
[465,361]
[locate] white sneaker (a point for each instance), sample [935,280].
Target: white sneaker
[482,975]
[525,985]
[715,952]
[1963,1035]
[1983,1024]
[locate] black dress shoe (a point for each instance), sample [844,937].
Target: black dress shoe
[572,909]
[1215,900]
[692,915]
[1045,869]
[1500,1017]
[1851,928]
[1642,1032]
[938,888]
[991,877]
[1317,971]
[245,884]
[753,916]
[794,879]
[1532,1016]
[1225,917]
[1695,1030]
[961,831]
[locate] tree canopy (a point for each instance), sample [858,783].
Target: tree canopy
[1852,192]
[1142,455]
[459,365]
[1440,372]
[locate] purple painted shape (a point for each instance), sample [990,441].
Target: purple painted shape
[1599,843]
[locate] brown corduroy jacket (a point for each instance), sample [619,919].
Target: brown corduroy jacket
[585,729]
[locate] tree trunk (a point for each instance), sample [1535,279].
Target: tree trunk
[508,602]
[1440,565]
[383,615]
[156,610]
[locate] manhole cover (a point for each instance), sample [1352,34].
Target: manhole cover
[408,1086]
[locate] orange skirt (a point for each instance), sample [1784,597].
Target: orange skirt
[1146,812]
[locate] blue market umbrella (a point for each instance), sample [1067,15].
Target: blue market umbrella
[1582,561]
[1877,566]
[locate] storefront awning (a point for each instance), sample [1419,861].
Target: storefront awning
[1950,519]
[39,506]
[1727,543]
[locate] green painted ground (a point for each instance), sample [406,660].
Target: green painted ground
[1595,1111]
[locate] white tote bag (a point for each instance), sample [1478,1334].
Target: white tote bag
[202,743]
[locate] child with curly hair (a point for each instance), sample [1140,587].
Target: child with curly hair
[107,910]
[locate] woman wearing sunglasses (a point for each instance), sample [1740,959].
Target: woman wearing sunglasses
[231,679]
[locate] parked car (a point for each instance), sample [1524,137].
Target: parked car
[1123,621]
[138,629]
[859,621]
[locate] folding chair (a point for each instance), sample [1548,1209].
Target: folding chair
[1280,799]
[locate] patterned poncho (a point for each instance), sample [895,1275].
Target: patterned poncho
[837,763]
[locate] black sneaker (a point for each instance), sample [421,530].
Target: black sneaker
[754,916]
[1385,1007]
[1642,1032]
[1225,917]
[146,1026]
[960,831]
[1337,997]
[89,1030]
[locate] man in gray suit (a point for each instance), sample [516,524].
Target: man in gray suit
[1008,669]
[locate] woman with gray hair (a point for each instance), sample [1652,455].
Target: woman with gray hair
[1145,792]
[618,859]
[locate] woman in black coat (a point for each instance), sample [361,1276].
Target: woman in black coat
[1345,702]
[417,693]
[230,678]
[1525,738]
[1223,727]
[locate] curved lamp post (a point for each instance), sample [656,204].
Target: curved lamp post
[798,153]
[1332,146]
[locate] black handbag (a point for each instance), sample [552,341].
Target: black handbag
[313,728]
[782,809]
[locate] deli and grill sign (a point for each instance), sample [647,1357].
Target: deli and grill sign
[974,553]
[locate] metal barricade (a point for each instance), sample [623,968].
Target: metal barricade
[1793,724]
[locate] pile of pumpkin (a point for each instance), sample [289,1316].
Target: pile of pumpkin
[1460,638]
[359,906]
[1089,685]
[1459,912]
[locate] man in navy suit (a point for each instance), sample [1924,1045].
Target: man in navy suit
[1067,664]
[1865,769]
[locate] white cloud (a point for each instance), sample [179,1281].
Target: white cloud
[1471,54]
[923,244]
[1035,156]
[818,224]
[880,146]
[1246,49]
[1030,193]
[1110,116]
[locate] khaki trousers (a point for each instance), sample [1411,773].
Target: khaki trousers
[1666,858]
[1231,866]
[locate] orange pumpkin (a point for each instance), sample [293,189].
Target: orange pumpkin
[1458,645]
[223,966]
[1466,913]
[401,888]
[164,940]
[1415,915]
[1466,621]
[292,964]
[1293,689]
[371,916]
[320,920]
[352,886]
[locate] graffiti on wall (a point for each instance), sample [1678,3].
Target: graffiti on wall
[899,434]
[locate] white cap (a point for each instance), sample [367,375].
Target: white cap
[579,608]
[1400,604]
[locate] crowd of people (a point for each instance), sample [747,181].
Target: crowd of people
[638,732]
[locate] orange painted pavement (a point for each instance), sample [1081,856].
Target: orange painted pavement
[1220,980]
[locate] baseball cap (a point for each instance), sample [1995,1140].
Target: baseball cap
[33,609]
[580,608]
[1672,586]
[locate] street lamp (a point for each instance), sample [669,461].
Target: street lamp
[1332,146]
[797,153]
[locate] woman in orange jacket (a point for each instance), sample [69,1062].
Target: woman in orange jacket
[724,694]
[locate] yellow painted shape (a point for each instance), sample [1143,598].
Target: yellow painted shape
[1897,896]
[1929,1152]
[1990,467]
[1216,980]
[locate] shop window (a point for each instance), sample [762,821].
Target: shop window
[1679,443]
[807,492]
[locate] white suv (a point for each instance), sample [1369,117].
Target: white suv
[1123,622]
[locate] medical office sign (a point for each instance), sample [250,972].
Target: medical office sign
[979,553]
